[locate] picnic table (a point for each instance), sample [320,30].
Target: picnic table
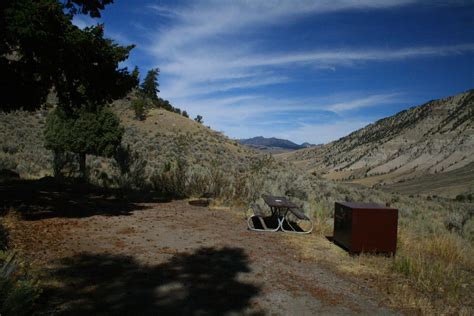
[281,208]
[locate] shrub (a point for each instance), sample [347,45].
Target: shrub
[139,107]
[19,294]
[19,290]
[455,221]
[132,168]
[199,119]
[171,180]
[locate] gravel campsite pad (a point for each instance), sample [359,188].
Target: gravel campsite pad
[175,258]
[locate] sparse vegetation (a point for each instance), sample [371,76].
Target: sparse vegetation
[143,143]
[199,119]
[426,144]
[19,288]
[151,157]
[19,293]
[139,107]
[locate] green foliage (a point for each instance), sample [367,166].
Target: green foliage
[199,119]
[185,114]
[19,294]
[132,168]
[40,49]
[139,107]
[136,75]
[149,86]
[93,133]
[164,104]
[171,180]
[403,265]
[84,133]
[91,8]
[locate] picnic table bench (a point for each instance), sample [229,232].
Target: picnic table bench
[280,211]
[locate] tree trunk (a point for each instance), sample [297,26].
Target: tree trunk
[57,164]
[82,167]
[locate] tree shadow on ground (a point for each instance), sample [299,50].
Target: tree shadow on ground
[201,283]
[45,198]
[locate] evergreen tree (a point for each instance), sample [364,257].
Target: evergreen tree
[40,50]
[139,107]
[84,133]
[199,119]
[150,84]
[185,114]
[136,75]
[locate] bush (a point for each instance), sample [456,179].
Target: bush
[19,294]
[171,180]
[455,221]
[199,119]
[139,107]
[132,169]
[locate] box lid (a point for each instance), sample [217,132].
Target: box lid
[365,206]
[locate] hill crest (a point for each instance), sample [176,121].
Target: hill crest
[429,139]
[273,144]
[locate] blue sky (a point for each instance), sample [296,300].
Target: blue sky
[301,70]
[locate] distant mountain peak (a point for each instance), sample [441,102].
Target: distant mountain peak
[273,144]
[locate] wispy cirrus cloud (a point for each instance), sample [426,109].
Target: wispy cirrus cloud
[323,133]
[262,115]
[200,50]
[215,60]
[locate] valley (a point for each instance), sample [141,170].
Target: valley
[128,185]
[425,148]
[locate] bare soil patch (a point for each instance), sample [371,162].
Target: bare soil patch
[175,258]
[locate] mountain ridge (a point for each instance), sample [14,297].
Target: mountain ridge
[429,139]
[273,143]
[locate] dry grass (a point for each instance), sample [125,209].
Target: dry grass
[427,276]
[433,269]
[425,145]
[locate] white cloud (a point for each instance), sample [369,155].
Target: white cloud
[250,115]
[365,102]
[199,50]
[323,133]
[213,63]
[204,19]
[199,46]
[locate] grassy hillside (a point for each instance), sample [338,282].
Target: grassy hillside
[434,138]
[449,183]
[170,154]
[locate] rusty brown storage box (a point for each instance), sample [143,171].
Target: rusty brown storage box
[365,227]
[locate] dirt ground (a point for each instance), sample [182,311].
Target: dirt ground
[174,258]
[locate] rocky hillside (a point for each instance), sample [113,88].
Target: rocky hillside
[430,139]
